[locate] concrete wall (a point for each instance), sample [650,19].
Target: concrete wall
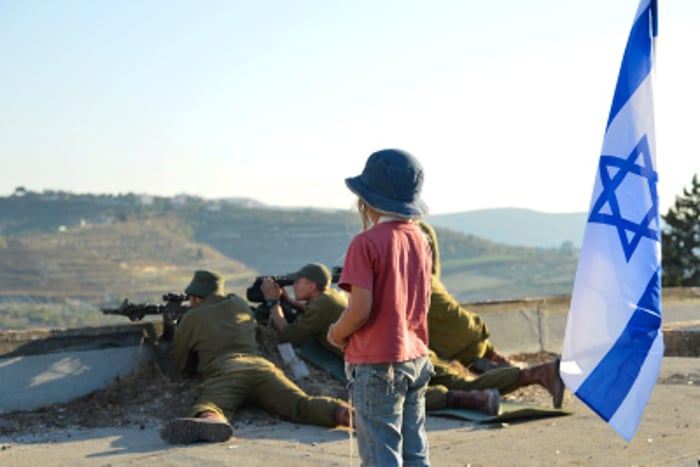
[538,324]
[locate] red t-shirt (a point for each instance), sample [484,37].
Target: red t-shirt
[393,260]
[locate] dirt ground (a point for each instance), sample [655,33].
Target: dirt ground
[149,396]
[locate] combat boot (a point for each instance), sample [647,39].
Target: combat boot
[487,400]
[207,427]
[546,375]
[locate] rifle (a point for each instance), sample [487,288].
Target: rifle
[262,313]
[172,310]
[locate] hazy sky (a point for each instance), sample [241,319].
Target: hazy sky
[504,102]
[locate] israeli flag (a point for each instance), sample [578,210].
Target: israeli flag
[613,344]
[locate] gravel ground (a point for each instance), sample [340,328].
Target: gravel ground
[149,397]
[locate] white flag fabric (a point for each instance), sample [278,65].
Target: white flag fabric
[613,345]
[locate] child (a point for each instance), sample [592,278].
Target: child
[384,330]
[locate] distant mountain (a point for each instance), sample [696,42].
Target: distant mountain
[514,226]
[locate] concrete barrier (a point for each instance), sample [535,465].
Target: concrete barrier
[43,367]
[539,324]
[682,339]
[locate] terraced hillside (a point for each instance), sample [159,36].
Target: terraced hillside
[474,269]
[72,272]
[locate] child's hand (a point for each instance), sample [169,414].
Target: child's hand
[335,343]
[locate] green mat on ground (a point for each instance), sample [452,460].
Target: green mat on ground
[323,358]
[509,411]
[315,353]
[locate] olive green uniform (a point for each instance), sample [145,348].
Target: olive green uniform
[317,316]
[446,378]
[325,309]
[217,339]
[454,332]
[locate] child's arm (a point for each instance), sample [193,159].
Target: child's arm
[353,318]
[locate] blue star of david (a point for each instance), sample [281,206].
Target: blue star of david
[620,168]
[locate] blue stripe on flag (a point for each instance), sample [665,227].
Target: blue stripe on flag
[637,60]
[608,384]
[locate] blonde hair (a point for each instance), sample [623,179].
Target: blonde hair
[369,214]
[363,208]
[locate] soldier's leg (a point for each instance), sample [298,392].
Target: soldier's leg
[224,392]
[435,397]
[206,420]
[484,400]
[506,379]
[278,394]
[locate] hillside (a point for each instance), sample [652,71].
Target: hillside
[61,278]
[277,242]
[474,269]
[66,255]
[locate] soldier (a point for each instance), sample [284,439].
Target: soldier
[322,305]
[456,333]
[319,305]
[216,338]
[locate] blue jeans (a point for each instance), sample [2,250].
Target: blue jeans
[389,401]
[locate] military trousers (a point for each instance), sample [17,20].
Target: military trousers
[240,379]
[445,378]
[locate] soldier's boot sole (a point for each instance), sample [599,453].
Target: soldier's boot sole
[192,430]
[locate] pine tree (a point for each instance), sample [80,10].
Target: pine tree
[680,239]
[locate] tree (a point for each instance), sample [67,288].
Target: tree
[680,239]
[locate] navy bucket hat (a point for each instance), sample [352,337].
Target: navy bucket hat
[391,183]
